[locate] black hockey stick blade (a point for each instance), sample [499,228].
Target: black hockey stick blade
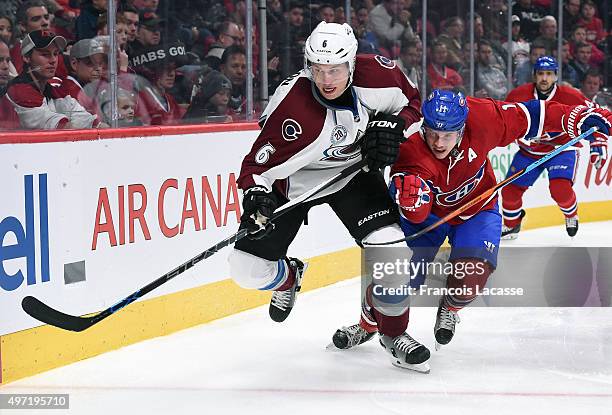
[42,312]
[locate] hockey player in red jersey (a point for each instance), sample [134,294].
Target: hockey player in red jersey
[328,116]
[445,166]
[561,168]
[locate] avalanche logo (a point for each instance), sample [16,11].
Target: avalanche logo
[291,129]
[454,196]
[385,62]
[338,134]
[344,153]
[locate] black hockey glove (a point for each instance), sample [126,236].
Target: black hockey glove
[382,140]
[258,205]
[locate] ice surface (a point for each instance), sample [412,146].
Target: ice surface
[501,361]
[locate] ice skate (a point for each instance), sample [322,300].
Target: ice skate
[282,301]
[509,233]
[406,352]
[445,325]
[571,225]
[356,334]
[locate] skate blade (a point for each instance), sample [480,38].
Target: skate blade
[510,237]
[331,346]
[420,367]
[438,346]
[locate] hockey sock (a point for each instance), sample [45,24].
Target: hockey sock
[470,276]
[392,326]
[512,203]
[290,278]
[562,192]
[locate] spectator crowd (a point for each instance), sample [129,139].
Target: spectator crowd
[184,61]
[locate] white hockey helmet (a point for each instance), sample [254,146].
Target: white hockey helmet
[331,44]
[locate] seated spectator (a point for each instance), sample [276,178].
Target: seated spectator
[288,39]
[548,34]
[568,72]
[595,32]
[157,68]
[494,16]
[211,100]
[531,16]
[591,84]
[233,66]
[360,25]
[88,18]
[582,57]
[452,38]
[326,14]
[524,72]
[228,34]
[8,117]
[490,82]
[571,14]
[409,61]
[132,17]
[148,35]
[31,15]
[7,36]
[390,24]
[126,108]
[579,35]
[520,47]
[441,76]
[87,61]
[37,95]
[340,15]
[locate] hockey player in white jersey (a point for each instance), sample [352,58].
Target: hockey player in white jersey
[338,109]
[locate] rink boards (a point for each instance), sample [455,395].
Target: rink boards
[88,217]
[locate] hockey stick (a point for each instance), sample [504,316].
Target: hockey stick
[488,193]
[40,311]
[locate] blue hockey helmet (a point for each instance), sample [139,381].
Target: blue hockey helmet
[444,111]
[546,63]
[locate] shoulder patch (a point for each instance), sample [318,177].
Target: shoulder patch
[385,62]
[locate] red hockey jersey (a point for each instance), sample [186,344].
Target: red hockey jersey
[562,94]
[466,172]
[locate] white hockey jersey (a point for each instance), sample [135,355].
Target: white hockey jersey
[305,141]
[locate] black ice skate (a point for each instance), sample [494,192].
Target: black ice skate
[571,225]
[351,336]
[406,352]
[445,325]
[512,233]
[282,301]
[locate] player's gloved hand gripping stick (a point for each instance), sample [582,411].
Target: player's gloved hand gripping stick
[488,193]
[40,311]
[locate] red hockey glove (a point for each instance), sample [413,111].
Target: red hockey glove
[411,192]
[581,119]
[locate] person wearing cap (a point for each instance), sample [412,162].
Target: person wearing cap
[148,35]
[211,98]
[87,62]
[32,15]
[8,117]
[561,168]
[37,94]
[519,46]
[157,69]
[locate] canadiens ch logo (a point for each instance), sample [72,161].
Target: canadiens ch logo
[385,62]
[291,129]
[454,196]
[338,134]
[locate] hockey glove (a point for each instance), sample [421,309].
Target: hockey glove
[382,140]
[410,191]
[258,205]
[581,119]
